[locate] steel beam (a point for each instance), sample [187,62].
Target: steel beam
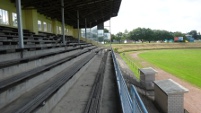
[85,29]
[63,22]
[19,24]
[90,31]
[110,33]
[78,26]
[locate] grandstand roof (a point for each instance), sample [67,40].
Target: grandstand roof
[95,11]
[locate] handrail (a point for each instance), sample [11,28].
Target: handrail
[138,105]
[128,104]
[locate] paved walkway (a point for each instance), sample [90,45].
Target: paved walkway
[110,102]
[76,98]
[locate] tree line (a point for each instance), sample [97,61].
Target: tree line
[147,34]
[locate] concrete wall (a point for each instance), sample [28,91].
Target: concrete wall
[161,99]
[177,107]
[30,18]
[31,22]
[10,7]
[169,96]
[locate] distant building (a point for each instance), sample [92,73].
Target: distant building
[178,39]
[107,36]
[190,38]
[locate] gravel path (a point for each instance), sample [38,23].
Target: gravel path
[192,100]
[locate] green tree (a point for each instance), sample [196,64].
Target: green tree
[194,34]
[148,35]
[113,37]
[125,35]
[178,34]
[134,34]
[119,36]
[106,30]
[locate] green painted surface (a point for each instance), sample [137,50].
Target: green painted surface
[185,64]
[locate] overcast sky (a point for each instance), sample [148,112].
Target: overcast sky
[171,15]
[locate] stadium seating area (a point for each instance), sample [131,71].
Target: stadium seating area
[9,40]
[43,57]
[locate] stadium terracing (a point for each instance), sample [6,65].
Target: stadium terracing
[47,67]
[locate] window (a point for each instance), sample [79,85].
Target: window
[14,19]
[4,17]
[59,30]
[49,27]
[45,26]
[39,25]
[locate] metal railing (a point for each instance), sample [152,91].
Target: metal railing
[128,104]
[132,64]
[138,105]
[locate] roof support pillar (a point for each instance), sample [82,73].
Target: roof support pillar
[90,36]
[19,23]
[97,34]
[78,26]
[63,22]
[90,32]
[85,29]
[110,33]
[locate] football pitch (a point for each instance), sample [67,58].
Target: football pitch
[183,63]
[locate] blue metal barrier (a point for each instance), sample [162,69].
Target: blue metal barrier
[128,104]
[138,105]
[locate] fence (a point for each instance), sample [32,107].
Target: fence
[138,105]
[128,104]
[132,64]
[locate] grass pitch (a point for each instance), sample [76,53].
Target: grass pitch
[183,63]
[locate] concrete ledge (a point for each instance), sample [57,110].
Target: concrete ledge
[13,93]
[52,102]
[10,71]
[17,55]
[8,47]
[169,96]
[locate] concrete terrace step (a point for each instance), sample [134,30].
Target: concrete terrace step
[75,100]
[31,97]
[25,65]
[27,74]
[18,90]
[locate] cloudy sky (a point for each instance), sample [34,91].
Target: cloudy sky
[171,15]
